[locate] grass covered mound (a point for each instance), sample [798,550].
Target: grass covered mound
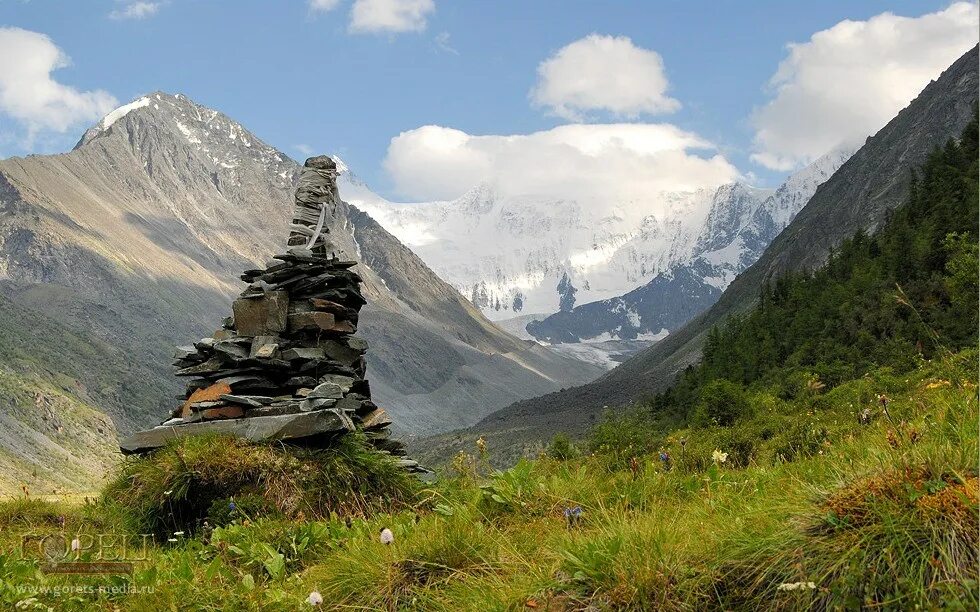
[219,478]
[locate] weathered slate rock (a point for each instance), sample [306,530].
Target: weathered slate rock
[375,419]
[262,316]
[208,367]
[256,429]
[311,320]
[317,403]
[264,347]
[302,353]
[339,352]
[183,352]
[344,382]
[301,381]
[252,401]
[327,390]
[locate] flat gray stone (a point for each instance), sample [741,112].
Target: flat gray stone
[256,429]
[327,390]
[263,347]
[318,403]
[344,382]
[247,400]
[302,353]
[183,352]
[261,316]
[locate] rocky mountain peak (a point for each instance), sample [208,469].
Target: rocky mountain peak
[160,123]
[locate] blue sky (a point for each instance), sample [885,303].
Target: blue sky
[295,75]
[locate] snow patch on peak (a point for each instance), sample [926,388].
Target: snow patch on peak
[122,111]
[342,168]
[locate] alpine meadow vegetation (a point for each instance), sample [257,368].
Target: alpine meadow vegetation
[823,455]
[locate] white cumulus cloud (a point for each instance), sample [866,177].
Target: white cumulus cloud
[848,81]
[603,73]
[32,97]
[135,10]
[375,16]
[605,164]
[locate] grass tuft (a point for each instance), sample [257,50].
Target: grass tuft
[219,478]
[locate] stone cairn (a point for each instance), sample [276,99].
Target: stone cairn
[287,365]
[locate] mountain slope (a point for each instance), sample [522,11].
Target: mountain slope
[134,241]
[858,196]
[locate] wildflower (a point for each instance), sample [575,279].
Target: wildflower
[865,417]
[76,545]
[481,444]
[168,492]
[171,540]
[315,599]
[387,537]
[178,533]
[232,506]
[796,586]
[719,457]
[573,515]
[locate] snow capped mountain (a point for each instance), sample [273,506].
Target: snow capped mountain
[514,256]
[509,255]
[739,226]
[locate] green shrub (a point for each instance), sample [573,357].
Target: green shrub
[721,402]
[562,448]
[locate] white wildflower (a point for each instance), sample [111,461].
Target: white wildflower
[178,533]
[719,457]
[315,599]
[76,544]
[796,586]
[386,536]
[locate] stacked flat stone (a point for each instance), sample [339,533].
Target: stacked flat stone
[287,365]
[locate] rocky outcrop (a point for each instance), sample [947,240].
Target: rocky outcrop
[287,364]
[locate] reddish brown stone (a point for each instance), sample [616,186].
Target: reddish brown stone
[328,306]
[224,412]
[208,394]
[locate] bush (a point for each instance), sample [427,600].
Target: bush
[721,403]
[562,448]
